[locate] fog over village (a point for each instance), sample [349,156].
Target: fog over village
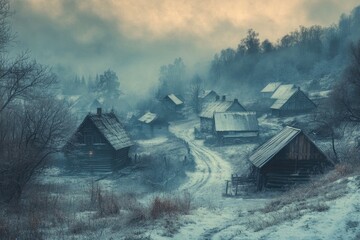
[186,119]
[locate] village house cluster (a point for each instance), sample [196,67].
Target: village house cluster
[102,142]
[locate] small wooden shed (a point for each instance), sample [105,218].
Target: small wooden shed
[288,158]
[99,144]
[151,125]
[207,115]
[290,100]
[233,127]
[172,102]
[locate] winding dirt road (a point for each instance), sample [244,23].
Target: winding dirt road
[207,181]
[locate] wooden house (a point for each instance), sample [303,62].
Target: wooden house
[287,158]
[151,125]
[207,96]
[290,100]
[269,89]
[207,115]
[100,143]
[173,103]
[232,127]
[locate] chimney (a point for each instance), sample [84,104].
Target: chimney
[298,88]
[223,98]
[98,111]
[236,100]
[217,97]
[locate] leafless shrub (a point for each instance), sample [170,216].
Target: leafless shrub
[105,203]
[170,205]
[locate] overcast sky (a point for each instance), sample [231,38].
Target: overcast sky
[136,37]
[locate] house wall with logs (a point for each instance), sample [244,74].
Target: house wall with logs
[295,163]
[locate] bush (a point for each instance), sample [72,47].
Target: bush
[105,203]
[170,205]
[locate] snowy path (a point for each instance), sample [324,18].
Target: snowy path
[208,179]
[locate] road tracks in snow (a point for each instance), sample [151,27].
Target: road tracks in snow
[211,171]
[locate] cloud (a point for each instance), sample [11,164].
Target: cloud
[136,37]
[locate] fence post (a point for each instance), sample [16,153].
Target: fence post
[227,187]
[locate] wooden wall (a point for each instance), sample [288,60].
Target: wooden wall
[295,163]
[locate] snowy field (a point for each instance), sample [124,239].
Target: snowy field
[212,215]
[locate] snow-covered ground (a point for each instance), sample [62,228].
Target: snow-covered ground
[213,215]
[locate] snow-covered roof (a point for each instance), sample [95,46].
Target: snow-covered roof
[284,91]
[271,87]
[175,99]
[111,128]
[148,117]
[236,121]
[218,106]
[205,93]
[301,97]
[269,149]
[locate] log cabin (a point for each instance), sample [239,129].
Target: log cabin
[151,125]
[100,143]
[234,127]
[207,115]
[288,158]
[290,100]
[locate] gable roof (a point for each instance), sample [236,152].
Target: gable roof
[148,117]
[218,106]
[174,99]
[279,103]
[269,149]
[271,87]
[205,93]
[284,91]
[236,121]
[111,129]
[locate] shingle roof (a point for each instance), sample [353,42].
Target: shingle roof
[271,87]
[284,91]
[269,149]
[148,117]
[175,99]
[236,121]
[204,93]
[306,102]
[218,106]
[111,128]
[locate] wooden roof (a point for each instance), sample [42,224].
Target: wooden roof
[236,121]
[268,150]
[205,93]
[296,95]
[271,87]
[174,99]
[148,117]
[111,129]
[219,106]
[284,91]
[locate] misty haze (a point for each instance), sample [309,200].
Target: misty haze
[179,119]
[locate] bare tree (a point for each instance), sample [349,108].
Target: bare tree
[345,95]
[29,134]
[33,123]
[195,89]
